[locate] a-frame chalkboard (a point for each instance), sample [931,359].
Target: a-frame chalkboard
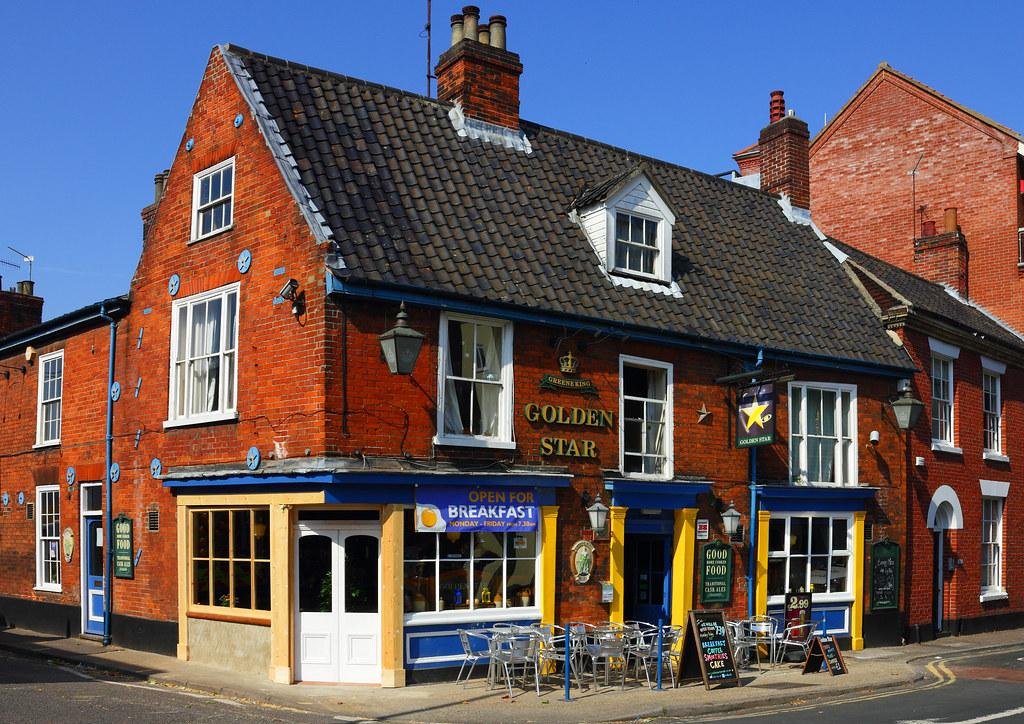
[824,649]
[707,650]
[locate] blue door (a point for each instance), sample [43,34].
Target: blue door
[93,551]
[647,577]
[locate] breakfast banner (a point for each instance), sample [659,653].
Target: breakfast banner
[469,510]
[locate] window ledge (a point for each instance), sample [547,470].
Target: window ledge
[49,443]
[212,234]
[830,598]
[481,615]
[995,456]
[204,420]
[231,615]
[470,441]
[993,596]
[943,446]
[47,589]
[642,476]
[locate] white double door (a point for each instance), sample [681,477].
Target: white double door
[337,633]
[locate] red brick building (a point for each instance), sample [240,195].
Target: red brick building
[586,316]
[931,188]
[919,180]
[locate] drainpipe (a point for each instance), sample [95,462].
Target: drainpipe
[752,551]
[108,539]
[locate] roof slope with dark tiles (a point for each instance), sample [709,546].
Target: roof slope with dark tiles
[413,205]
[934,299]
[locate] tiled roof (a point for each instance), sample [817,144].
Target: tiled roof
[935,299]
[413,205]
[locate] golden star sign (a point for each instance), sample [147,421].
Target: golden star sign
[755,413]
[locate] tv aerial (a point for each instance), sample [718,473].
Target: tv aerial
[27,258]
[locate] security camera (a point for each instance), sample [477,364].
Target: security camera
[289,290]
[874,437]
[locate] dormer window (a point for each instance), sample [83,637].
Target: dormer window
[630,225]
[636,243]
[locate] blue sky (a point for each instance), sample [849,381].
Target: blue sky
[95,95]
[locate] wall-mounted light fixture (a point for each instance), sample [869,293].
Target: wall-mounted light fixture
[907,407]
[731,522]
[290,291]
[597,512]
[401,345]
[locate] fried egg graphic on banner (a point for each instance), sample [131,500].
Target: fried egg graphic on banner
[429,519]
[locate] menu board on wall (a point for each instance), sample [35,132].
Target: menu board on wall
[885,576]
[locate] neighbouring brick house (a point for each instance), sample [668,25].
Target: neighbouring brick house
[917,179]
[960,501]
[587,315]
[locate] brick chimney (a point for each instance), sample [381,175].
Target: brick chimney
[149,213]
[19,308]
[479,72]
[942,257]
[784,154]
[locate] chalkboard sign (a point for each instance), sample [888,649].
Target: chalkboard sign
[885,576]
[707,650]
[716,573]
[798,609]
[824,650]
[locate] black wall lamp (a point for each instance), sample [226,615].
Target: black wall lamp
[597,512]
[907,407]
[401,345]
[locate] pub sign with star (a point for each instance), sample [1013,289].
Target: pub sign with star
[755,415]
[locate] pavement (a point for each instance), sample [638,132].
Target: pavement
[871,670]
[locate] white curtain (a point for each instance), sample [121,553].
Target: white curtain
[489,393]
[453,423]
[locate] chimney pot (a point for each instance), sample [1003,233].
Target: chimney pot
[776,107]
[456,29]
[498,23]
[470,18]
[928,228]
[949,220]
[483,34]
[27,287]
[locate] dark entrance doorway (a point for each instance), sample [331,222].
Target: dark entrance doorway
[648,578]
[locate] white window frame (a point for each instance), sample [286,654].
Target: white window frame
[798,437]
[993,493]
[43,401]
[943,353]
[225,199]
[48,546]
[657,247]
[831,596]
[227,355]
[992,419]
[640,198]
[668,437]
[504,437]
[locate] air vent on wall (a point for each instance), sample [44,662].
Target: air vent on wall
[869,530]
[153,519]
[30,511]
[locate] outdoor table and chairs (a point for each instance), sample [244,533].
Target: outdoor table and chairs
[521,653]
[752,635]
[796,637]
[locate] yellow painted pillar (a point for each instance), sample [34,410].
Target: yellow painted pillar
[392,544]
[684,543]
[184,577]
[545,593]
[617,562]
[761,570]
[281,579]
[857,610]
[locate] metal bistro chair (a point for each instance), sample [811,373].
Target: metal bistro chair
[799,637]
[472,653]
[580,635]
[647,654]
[516,650]
[761,629]
[551,652]
[743,644]
[608,645]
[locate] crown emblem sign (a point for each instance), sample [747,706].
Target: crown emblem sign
[568,364]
